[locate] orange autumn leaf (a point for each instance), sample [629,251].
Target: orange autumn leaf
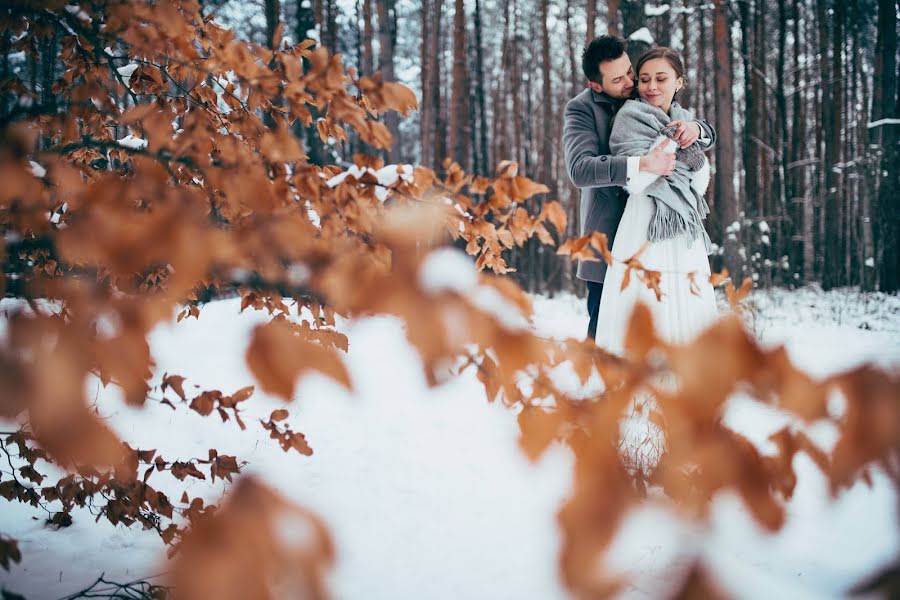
[277,356]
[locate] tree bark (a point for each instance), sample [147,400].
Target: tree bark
[591,19]
[426,131]
[832,274]
[459,104]
[724,178]
[886,104]
[484,167]
[368,59]
[685,95]
[784,229]
[306,21]
[439,124]
[633,18]
[387,40]
[613,26]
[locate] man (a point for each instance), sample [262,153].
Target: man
[588,122]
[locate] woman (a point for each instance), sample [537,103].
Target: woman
[666,213]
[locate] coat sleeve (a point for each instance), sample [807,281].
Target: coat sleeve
[581,144]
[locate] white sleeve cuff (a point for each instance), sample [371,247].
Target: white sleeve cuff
[634,167]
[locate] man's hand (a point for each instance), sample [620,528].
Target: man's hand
[687,132]
[658,161]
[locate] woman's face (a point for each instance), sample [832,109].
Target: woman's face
[657,83]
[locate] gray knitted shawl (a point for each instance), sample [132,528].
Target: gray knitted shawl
[679,208]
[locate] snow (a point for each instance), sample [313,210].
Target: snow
[656,11]
[386,176]
[425,491]
[36,169]
[870,262]
[78,12]
[127,71]
[451,270]
[881,122]
[447,269]
[135,143]
[642,35]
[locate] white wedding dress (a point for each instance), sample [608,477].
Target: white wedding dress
[681,314]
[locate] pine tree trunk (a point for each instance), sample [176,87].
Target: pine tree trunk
[748,148]
[516,84]
[485,159]
[885,104]
[426,133]
[387,40]
[726,203]
[591,19]
[785,230]
[633,18]
[459,104]
[306,21]
[832,275]
[368,59]
[613,26]
[685,95]
[439,123]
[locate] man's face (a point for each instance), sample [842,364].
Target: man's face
[617,78]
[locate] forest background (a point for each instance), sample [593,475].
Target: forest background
[804,95]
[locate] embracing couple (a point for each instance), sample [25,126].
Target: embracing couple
[638,157]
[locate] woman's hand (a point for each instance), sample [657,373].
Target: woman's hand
[687,132]
[659,161]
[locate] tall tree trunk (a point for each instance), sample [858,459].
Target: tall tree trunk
[886,104]
[484,167]
[748,147]
[439,127]
[516,85]
[633,18]
[331,11]
[802,248]
[685,95]
[368,59]
[726,203]
[570,203]
[273,19]
[426,124]
[502,92]
[785,228]
[387,40]
[591,19]
[306,21]
[459,104]
[826,178]
[832,275]
[613,26]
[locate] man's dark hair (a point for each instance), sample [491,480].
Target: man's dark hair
[601,49]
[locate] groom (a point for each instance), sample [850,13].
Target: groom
[600,176]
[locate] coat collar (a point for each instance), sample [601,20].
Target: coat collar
[602,98]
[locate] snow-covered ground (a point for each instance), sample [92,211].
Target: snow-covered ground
[425,490]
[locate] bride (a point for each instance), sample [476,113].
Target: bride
[665,213]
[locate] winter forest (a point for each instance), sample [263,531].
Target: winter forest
[290,306]
[803,94]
